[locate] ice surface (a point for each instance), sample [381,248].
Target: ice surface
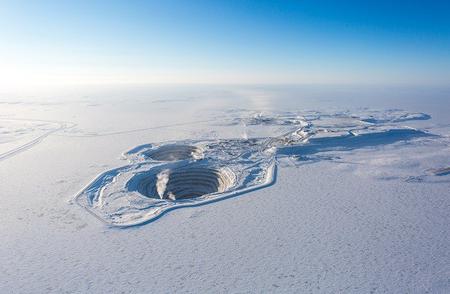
[358,202]
[18,135]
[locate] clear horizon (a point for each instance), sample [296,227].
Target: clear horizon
[55,43]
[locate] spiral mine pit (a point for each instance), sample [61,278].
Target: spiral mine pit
[175,152]
[164,176]
[186,182]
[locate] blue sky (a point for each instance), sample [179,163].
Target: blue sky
[330,42]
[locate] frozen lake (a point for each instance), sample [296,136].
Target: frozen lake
[357,202]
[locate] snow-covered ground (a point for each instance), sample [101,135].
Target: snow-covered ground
[302,189]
